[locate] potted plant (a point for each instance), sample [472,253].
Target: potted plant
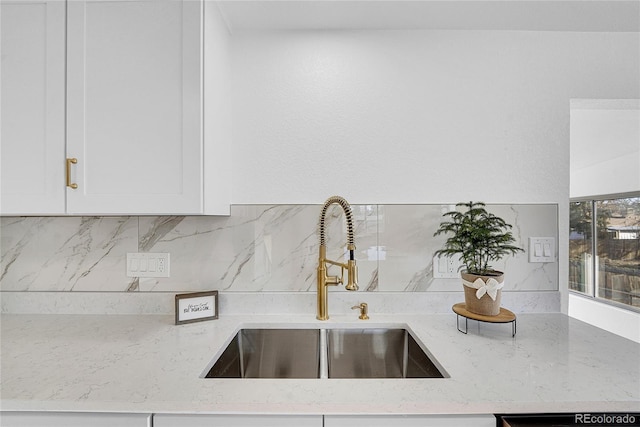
[479,238]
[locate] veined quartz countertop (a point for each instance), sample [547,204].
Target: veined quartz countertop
[146,364]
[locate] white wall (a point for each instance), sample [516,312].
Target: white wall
[605,147]
[605,159]
[418,116]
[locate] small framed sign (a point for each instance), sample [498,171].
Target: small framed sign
[196,307]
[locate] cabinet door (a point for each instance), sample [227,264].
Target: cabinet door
[68,419]
[134,109]
[163,420]
[486,420]
[32,134]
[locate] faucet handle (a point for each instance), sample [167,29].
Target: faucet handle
[364,309]
[333,280]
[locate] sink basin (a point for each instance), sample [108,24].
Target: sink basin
[324,353]
[377,353]
[270,353]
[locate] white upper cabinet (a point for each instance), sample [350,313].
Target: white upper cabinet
[132,108]
[32,132]
[134,101]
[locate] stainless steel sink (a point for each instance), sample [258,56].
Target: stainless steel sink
[325,353]
[377,353]
[270,353]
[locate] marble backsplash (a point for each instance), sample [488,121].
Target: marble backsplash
[257,248]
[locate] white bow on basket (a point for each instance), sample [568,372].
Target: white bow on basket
[489,287]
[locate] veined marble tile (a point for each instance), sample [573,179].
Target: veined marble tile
[407,237]
[66,253]
[530,221]
[238,303]
[257,248]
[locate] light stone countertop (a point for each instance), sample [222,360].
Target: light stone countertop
[146,364]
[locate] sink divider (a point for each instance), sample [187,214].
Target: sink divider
[241,354]
[405,354]
[324,365]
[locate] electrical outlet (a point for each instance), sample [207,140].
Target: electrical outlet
[147,264]
[445,267]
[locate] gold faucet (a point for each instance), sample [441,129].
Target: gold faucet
[323,262]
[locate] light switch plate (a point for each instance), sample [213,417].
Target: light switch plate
[445,267]
[542,249]
[147,264]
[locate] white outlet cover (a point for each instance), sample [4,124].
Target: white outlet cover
[148,264]
[446,267]
[542,249]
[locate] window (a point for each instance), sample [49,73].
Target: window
[580,247]
[610,228]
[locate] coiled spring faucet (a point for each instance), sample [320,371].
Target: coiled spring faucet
[323,263]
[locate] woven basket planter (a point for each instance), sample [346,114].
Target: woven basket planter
[485,305]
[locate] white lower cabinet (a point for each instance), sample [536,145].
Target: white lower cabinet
[73,419]
[166,420]
[486,420]
[68,419]
[170,420]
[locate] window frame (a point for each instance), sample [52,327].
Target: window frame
[591,292]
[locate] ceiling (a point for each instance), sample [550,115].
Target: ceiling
[516,15]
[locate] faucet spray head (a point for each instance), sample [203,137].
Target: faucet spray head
[352,270]
[352,284]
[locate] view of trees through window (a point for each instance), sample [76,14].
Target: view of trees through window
[614,273]
[580,247]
